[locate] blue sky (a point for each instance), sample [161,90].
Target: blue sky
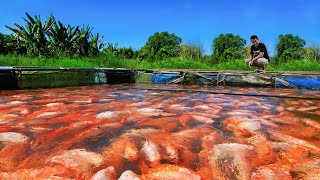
[131,22]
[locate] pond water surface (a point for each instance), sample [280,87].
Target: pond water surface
[159,132]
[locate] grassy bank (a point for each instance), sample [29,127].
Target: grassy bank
[108,61]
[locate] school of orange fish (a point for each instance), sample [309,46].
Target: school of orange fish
[159,132]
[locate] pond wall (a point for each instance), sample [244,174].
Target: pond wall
[47,77]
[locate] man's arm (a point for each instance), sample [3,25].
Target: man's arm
[260,55]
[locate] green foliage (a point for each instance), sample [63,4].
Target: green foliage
[295,65]
[180,63]
[192,51]
[4,43]
[63,38]
[124,53]
[227,47]
[312,53]
[127,53]
[161,46]
[185,51]
[107,60]
[207,59]
[111,49]
[289,48]
[247,51]
[52,38]
[232,65]
[10,44]
[33,35]
[298,65]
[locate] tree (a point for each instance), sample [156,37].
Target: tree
[192,50]
[126,53]
[185,51]
[123,52]
[227,47]
[312,52]
[247,50]
[161,46]
[289,47]
[5,43]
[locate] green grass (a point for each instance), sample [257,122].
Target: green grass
[43,61]
[233,65]
[297,65]
[109,61]
[180,63]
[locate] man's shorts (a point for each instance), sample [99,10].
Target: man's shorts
[256,62]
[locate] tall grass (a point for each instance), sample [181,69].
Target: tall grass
[110,61]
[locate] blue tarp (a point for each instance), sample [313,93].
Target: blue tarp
[164,78]
[307,82]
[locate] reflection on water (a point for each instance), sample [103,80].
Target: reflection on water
[159,132]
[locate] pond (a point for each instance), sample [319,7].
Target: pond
[148,131]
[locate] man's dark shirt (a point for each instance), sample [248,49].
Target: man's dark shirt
[261,48]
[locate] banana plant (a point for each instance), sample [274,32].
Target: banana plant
[33,35]
[87,43]
[112,49]
[96,44]
[53,38]
[81,44]
[63,37]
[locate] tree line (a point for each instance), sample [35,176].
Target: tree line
[52,38]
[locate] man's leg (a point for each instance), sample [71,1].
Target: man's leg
[262,62]
[261,65]
[255,63]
